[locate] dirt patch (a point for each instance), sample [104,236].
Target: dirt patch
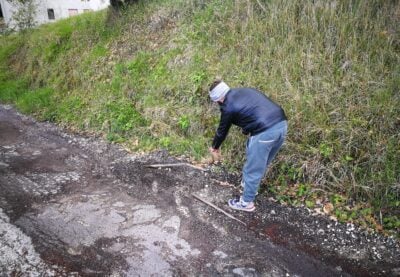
[89,208]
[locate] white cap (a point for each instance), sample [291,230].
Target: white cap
[219,92]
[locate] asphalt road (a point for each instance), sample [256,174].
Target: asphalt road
[78,206]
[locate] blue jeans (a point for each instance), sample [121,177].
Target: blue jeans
[261,149]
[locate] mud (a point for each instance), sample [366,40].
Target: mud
[78,206]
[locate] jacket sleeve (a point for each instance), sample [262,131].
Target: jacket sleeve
[225,124]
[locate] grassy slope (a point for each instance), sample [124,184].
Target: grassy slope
[141,78]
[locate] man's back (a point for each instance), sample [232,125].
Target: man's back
[251,110]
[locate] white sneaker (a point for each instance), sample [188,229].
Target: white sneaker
[239,204]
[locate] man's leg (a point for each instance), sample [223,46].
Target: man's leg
[275,149]
[260,151]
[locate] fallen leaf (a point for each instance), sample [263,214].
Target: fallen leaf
[334,218]
[318,211]
[328,208]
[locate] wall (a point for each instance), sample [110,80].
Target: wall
[60,9]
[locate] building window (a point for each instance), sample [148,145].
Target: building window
[72,12]
[50,13]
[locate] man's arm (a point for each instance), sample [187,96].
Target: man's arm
[225,124]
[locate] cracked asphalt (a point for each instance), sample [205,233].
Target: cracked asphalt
[78,206]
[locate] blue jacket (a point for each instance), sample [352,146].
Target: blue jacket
[249,109]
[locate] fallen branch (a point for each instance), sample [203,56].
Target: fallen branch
[224,184]
[175,165]
[218,209]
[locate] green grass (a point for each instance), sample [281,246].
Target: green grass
[141,78]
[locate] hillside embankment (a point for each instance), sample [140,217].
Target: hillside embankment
[140,78]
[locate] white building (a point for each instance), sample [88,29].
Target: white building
[51,10]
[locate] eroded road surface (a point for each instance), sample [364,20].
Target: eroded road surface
[77,206]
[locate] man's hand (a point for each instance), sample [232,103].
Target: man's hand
[215,154]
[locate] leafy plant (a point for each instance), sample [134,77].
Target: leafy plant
[303,190]
[184,123]
[336,199]
[325,150]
